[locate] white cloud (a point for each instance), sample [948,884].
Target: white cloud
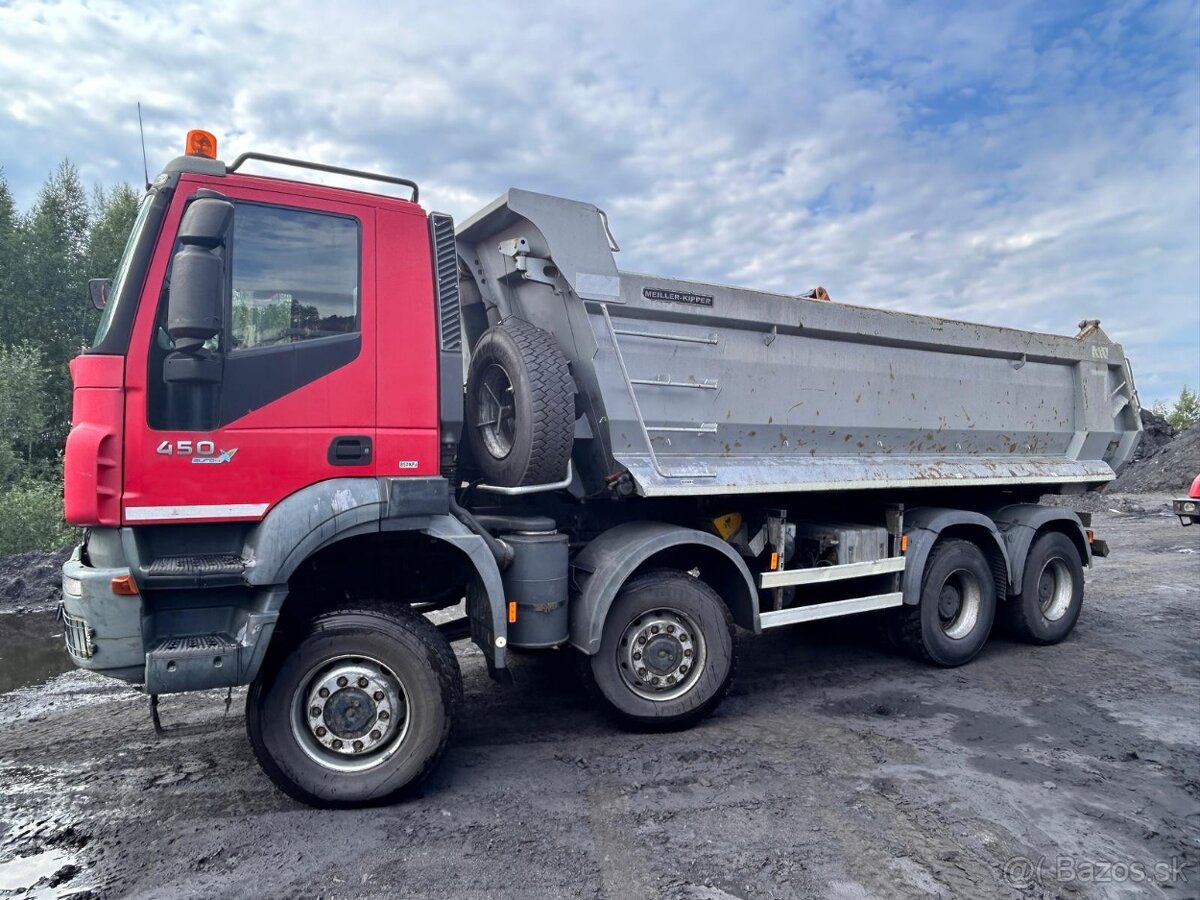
[1008,164]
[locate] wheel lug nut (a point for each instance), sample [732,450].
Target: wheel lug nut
[315,711]
[384,715]
[378,695]
[654,629]
[362,682]
[342,681]
[683,670]
[654,680]
[641,639]
[683,637]
[687,653]
[323,693]
[670,629]
[642,673]
[357,746]
[670,679]
[375,734]
[337,745]
[637,654]
[321,732]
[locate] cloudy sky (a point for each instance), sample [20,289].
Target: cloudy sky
[1028,164]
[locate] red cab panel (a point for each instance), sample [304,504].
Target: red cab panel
[298,356]
[92,468]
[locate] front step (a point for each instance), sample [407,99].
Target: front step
[197,564]
[192,663]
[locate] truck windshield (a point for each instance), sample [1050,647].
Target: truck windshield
[116,290]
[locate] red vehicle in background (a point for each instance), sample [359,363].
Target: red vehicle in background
[1188,508]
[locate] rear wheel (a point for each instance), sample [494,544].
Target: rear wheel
[951,623]
[666,657]
[359,711]
[1047,608]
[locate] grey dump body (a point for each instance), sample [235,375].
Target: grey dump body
[704,389]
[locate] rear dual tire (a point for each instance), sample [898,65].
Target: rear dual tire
[1051,597]
[953,618]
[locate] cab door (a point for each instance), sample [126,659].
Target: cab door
[288,394]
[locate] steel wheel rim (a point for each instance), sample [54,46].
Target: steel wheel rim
[661,654]
[342,724]
[497,411]
[1055,590]
[959,604]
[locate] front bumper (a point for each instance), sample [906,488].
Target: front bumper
[103,630]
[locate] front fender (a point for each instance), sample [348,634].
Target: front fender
[601,568]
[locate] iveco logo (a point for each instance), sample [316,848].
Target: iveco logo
[223,457]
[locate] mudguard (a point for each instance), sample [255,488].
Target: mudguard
[923,526]
[1019,525]
[601,568]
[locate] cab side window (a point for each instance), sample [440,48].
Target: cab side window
[295,276]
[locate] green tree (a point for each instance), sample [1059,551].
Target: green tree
[10,259]
[1186,411]
[23,406]
[52,312]
[113,213]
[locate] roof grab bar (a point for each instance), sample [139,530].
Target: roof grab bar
[322,167]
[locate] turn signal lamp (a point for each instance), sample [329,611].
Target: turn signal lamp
[125,586]
[201,143]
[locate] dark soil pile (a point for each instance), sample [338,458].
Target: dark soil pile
[1166,468]
[1157,432]
[32,580]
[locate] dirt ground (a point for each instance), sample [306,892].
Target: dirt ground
[835,768]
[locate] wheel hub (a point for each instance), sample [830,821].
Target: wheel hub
[661,654]
[497,411]
[354,709]
[959,603]
[350,713]
[949,603]
[1055,590]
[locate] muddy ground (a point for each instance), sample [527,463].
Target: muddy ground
[834,769]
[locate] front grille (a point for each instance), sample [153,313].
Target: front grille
[78,636]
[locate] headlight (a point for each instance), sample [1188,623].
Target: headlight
[72,587]
[1189,507]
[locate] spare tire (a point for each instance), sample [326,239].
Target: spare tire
[520,406]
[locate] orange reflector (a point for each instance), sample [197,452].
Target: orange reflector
[904,543]
[512,611]
[774,561]
[201,143]
[1091,536]
[124,585]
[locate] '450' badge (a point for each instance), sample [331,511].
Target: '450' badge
[206,452]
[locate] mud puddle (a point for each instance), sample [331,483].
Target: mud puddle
[31,649]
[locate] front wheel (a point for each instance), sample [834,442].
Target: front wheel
[666,656]
[359,711]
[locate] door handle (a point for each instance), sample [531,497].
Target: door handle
[350,450]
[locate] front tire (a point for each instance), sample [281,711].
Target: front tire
[359,711]
[1051,597]
[666,656]
[951,623]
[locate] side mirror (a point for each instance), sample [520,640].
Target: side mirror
[98,291]
[195,301]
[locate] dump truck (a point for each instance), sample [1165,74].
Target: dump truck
[322,433]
